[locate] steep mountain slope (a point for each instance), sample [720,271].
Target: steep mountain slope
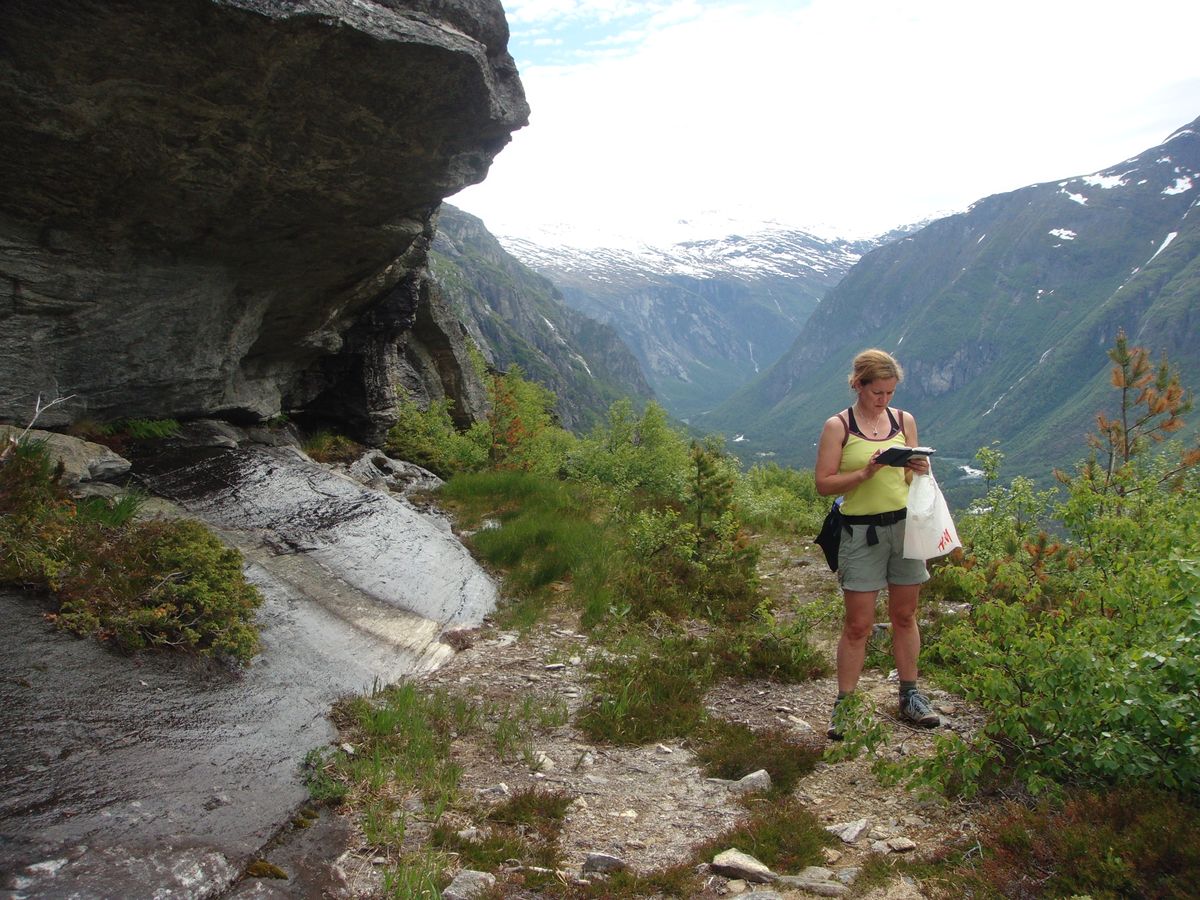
[516,316]
[702,316]
[1001,315]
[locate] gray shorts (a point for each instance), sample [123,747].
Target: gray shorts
[865,567]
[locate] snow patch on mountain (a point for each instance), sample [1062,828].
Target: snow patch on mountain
[1107,182]
[1182,183]
[767,251]
[1165,244]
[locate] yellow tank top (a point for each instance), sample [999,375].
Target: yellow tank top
[887,489]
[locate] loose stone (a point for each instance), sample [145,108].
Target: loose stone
[850,832]
[604,862]
[469,884]
[736,864]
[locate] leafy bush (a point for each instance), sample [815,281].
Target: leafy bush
[668,567]
[428,437]
[1083,650]
[777,500]
[633,457]
[523,432]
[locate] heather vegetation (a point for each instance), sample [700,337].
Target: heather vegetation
[1080,641]
[131,584]
[1076,635]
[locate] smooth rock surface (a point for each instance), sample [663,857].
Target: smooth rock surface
[163,775]
[324,526]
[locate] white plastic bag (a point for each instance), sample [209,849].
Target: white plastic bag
[929,531]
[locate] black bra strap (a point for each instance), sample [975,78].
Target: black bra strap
[853,428]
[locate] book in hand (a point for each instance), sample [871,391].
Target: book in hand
[898,456]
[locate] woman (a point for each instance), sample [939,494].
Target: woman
[871,554]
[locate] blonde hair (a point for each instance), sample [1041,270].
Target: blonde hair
[873,365]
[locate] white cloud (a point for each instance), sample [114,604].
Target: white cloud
[864,114]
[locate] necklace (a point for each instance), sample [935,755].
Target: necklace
[874,427]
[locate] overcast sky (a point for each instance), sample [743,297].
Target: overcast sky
[846,116]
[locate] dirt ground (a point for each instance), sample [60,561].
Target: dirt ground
[649,805]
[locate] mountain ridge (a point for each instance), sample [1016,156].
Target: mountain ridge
[1001,314]
[705,315]
[518,317]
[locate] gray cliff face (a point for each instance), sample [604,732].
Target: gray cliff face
[222,207]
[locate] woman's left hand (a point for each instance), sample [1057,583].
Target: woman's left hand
[918,465]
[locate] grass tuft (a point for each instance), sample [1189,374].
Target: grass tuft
[653,694]
[327,447]
[731,750]
[785,836]
[548,536]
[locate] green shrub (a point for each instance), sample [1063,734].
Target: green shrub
[771,499]
[633,457]
[522,429]
[668,566]
[133,584]
[429,438]
[160,584]
[1082,649]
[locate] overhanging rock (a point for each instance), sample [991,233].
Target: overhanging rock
[203,196]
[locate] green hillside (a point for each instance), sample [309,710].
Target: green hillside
[517,317]
[1001,316]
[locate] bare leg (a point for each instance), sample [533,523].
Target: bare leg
[906,635]
[852,647]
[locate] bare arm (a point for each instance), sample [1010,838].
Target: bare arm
[831,482]
[916,465]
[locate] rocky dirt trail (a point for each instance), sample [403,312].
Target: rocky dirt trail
[648,806]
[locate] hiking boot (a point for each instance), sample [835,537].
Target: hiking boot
[834,732]
[915,708]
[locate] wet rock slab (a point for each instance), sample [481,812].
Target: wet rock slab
[163,775]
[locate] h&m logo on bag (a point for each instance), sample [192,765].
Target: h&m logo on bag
[944,539]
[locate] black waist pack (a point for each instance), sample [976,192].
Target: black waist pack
[831,534]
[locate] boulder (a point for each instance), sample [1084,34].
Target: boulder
[82,461]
